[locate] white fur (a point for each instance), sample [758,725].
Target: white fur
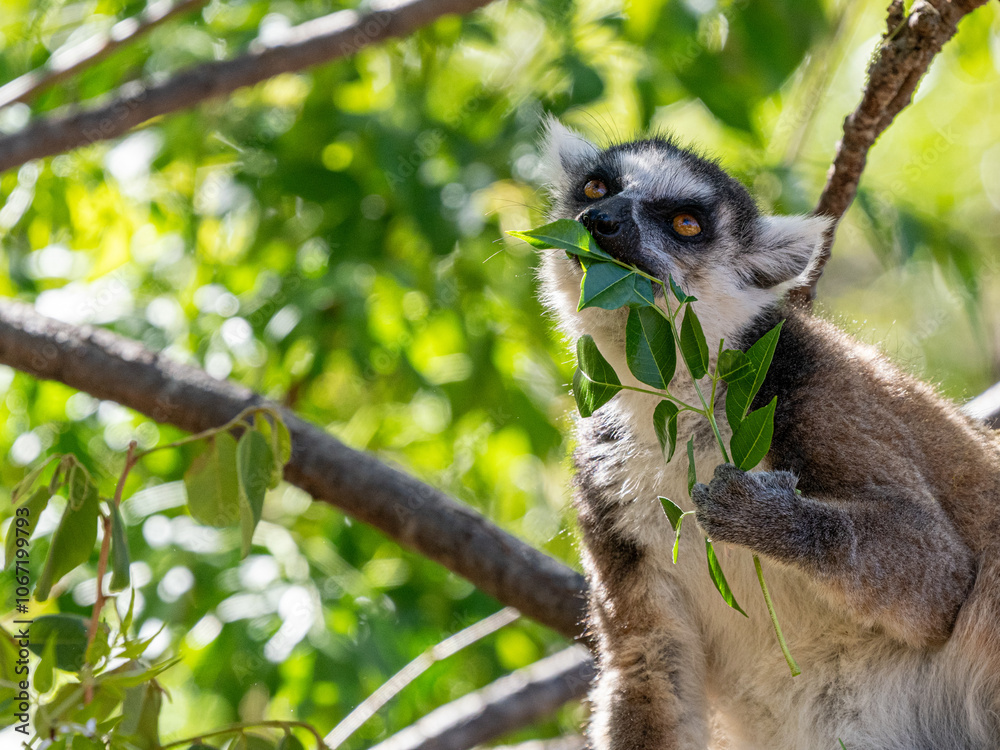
[563,147]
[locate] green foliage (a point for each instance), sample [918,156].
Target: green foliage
[595,381]
[650,353]
[649,348]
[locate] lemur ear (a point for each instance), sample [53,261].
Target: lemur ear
[563,150]
[787,249]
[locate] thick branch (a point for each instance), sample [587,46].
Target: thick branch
[67,62]
[414,514]
[513,702]
[318,41]
[903,56]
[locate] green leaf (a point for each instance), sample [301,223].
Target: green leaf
[733,365]
[694,348]
[609,286]
[212,483]
[740,393]
[141,709]
[100,646]
[254,466]
[31,509]
[564,234]
[274,430]
[22,488]
[127,620]
[649,347]
[119,551]
[752,439]
[135,673]
[692,475]
[73,540]
[595,381]
[679,293]
[719,578]
[665,426]
[677,540]
[290,742]
[69,632]
[673,512]
[45,667]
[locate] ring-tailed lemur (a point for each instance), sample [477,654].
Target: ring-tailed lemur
[877,517]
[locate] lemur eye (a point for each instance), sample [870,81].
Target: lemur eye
[595,189]
[686,225]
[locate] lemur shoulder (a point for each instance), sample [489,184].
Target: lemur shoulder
[876,511]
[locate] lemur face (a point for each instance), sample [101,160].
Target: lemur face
[668,211]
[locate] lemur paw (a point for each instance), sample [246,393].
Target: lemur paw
[735,505]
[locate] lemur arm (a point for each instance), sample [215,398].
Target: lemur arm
[890,554]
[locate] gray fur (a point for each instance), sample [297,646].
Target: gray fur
[876,512]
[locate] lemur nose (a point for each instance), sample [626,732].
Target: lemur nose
[599,224]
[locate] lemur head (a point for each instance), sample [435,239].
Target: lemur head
[668,211]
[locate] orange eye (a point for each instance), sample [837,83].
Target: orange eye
[686,225]
[595,189]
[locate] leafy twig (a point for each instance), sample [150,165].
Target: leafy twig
[66,62]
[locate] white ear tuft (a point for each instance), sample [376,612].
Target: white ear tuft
[563,149]
[786,251]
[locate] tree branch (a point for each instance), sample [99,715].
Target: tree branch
[318,41]
[414,514]
[518,700]
[66,62]
[909,44]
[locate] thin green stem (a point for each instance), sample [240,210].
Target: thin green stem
[241,729]
[789,659]
[715,375]
[663,394]
[707,410]
[238,420]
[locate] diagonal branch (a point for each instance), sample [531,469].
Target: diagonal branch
[513,702]
[318,41]
[66,62]
[414,514]
[903,56]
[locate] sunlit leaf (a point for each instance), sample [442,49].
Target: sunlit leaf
[752,439]
[665,426]
[719,578]
[274,430]
[733,365]
[649,347]
[595,381]
[740,393]
[212,482]
[694,347]
[679,293]
[142,715]
[73,540]
[44,670]
[564,234]
[29,510]
[609,286]
[254,466]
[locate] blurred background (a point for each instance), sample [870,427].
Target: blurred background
[335,240]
